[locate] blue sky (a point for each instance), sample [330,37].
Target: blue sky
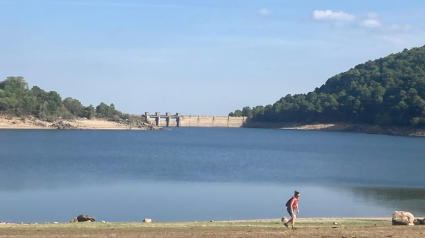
[205,57]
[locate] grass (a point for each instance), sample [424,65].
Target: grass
[259,228]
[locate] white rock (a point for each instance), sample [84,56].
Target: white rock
[403,218]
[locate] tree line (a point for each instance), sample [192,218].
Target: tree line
[16,99]
[386,91]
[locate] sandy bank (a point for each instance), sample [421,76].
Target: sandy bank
[79,124]
[367,128]
[306,227]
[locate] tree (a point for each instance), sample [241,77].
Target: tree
[246,111]
[388,91]
[89,112]
[74,106]
[17,99]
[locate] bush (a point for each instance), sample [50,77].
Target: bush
[417,121]
[115,118]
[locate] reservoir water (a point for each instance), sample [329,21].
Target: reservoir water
[188,174]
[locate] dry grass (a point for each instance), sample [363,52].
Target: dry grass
[266,228]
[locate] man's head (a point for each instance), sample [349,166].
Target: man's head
[297,194]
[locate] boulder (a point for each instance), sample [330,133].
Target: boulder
[147,220]
[83,218]
[419,221]
[73,220]
[62,126]
[402,218]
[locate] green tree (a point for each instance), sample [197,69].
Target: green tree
[89,112]
[246,111]
[387,91]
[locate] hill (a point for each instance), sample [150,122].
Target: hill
[17,100]
[386,91]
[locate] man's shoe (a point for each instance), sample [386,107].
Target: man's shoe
[286,225]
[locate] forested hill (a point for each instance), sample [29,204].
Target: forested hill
[387,91]
[16,99]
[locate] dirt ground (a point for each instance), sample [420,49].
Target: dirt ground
[80,123]
[351,228]
[367,128]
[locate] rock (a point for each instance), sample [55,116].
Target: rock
[103,221]
[419,221]
[55,222]
[73,220]
[85,218]
[402,218]
[212,221]
[147,220]
[335,223]
[62,126]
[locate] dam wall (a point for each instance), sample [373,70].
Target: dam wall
[179,120]
[211,121]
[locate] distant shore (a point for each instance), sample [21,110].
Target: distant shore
[76,124]
[367,128]
[306,227]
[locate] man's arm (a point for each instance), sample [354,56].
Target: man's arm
[298,210]
[291,206]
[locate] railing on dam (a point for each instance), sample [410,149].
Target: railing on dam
[179,120]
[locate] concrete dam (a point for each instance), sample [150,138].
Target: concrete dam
[178,120]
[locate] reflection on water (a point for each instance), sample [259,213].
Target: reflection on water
[396,199]
[206,173]
[168,201]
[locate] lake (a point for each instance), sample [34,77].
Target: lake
[187,174]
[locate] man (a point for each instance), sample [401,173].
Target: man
[291,204]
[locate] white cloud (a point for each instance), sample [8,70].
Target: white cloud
[370,23]
[331,15]
[264,12]
[372,15]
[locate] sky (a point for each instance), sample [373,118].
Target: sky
[197,57]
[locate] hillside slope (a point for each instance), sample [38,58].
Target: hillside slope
[387,91]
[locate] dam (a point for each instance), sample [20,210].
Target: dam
[178,120]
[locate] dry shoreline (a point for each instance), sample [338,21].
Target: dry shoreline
[367,128]
[78,124]
[306,227]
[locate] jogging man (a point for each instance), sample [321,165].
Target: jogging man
[291,204]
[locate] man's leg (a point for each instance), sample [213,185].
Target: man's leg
[292,220]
